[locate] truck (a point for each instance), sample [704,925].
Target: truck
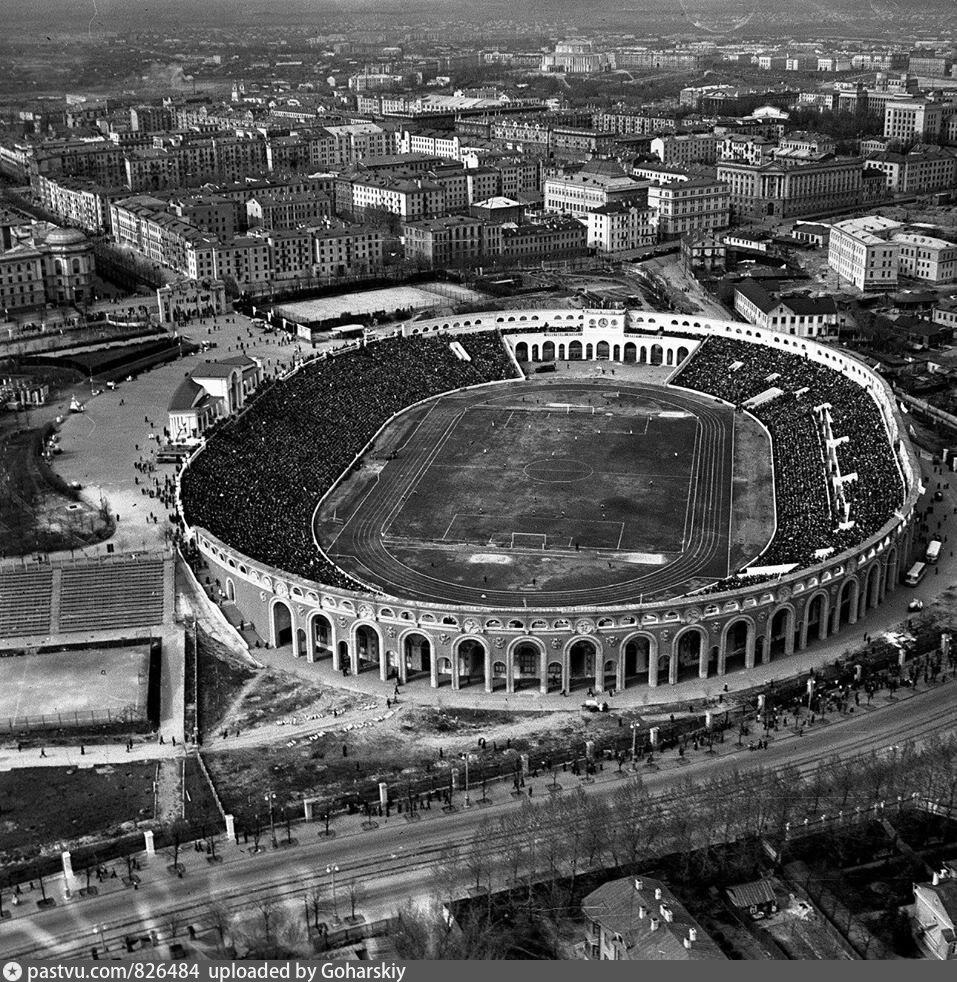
[915,574]
[933,551]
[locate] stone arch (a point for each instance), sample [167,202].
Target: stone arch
[581,656]
[471,654]
[682,354]
[639,651]
[321,635]
[630,353]
[616,352]
[230,590]
[657,354]
[670,356]
[521,351]
[524,660]
[737,645]
[816,617]
[534,353]
[642,355]
[781,630]
[845,603]
[689,653]
[281,622]
[589,351]
[575,351]
[415,654]
[368,651]
[602,351]
[548,351]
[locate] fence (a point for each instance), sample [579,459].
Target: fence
[129,716]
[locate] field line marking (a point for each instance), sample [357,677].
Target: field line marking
[421,471]
[734,426]
[449,529]
[621,535]
[358,505]
[692,485]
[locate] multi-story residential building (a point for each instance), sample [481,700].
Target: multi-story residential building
[922,170]
[598,183]
[686,148]
[551,239]
[437,143]
[805,142]
[208,212]
[150,119]
[407,198]
[802,316]
[153,169]
[913,119]
[926,257]
[357,140]
[792,186]
[78,201]
[640,919]
[671,58]
[747,149]
[928,63]
[700,204]
[350,250]
[860,252]
[290,254]
[619,228]
[456,240]
[248,260]
[281,210]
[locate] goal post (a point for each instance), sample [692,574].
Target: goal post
[529,540]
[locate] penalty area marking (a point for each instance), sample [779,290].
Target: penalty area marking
[490,557]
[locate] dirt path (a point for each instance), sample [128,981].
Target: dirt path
[169,790]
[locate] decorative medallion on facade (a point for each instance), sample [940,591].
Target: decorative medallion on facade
[584,626]
[365,612]
[693,615]
[280,589]
[499,642]
[556,643]
[341,621]
[391,631]
[614,640]
[445,638]
[471,626]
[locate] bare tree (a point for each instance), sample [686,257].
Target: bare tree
[220,919]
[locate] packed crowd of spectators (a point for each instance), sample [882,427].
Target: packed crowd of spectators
[807,515]
[256,484]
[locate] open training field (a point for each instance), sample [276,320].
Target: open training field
[419,297]
[79,687]
[615,476]
[576,492]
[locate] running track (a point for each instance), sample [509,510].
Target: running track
[360,547]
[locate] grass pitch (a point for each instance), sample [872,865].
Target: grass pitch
[613,473]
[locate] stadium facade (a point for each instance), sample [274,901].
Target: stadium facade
[654,643]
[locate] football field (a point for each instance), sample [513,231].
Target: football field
[557,477]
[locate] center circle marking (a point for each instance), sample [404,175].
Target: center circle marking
[557,470]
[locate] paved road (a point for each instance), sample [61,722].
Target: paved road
[394,861]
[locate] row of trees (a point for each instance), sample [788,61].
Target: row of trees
[710,828]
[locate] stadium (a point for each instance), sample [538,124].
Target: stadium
[679,499]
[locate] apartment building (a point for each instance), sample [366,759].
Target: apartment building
[696,205]
[408,198]
[619,228]
[551,239]
[860,251]
[349,250]
[913,119]
[280,210]
[456,240]
[801,316]
[920,171]
[598,183]
[686,148]
[78,201]
[926,257]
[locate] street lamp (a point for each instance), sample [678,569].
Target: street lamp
[468,800]
[635,726]
[332,870]
[99,929]
[271,797]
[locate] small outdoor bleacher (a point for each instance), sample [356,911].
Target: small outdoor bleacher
[25,600]
[110,595]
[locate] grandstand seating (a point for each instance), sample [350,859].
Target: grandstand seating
[112,595]
[25,601]
[807,519]
[256,483]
